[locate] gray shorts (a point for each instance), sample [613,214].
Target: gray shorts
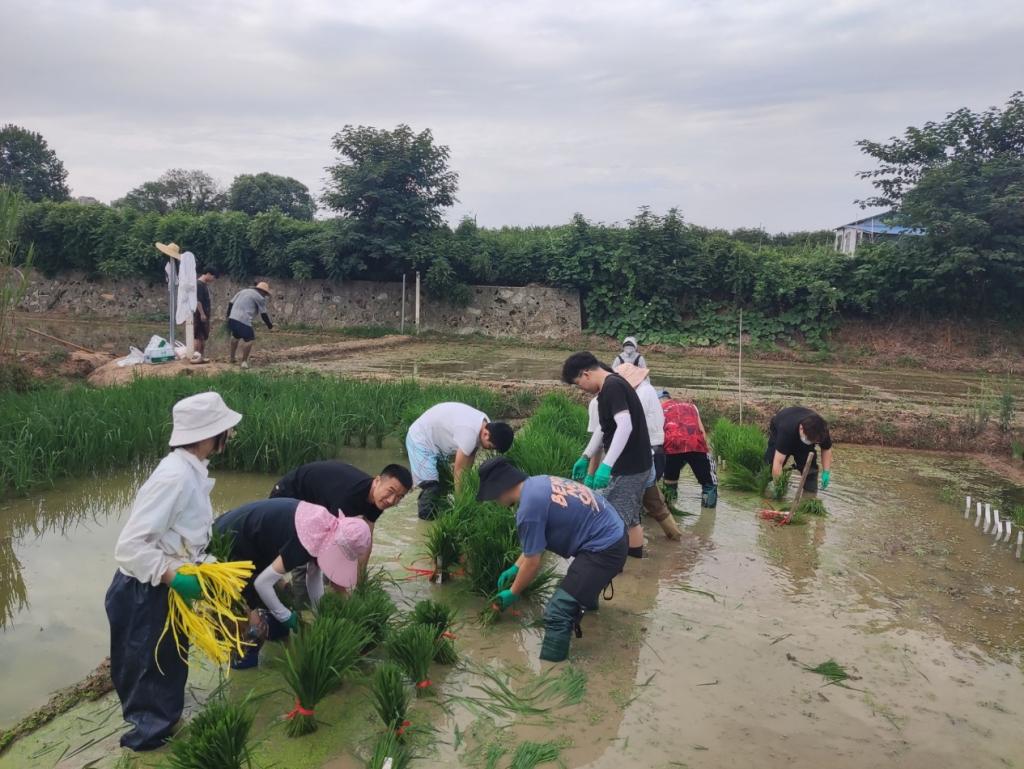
[626,495]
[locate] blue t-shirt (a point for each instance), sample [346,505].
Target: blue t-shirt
[565,517]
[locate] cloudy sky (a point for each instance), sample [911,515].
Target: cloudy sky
[739,112]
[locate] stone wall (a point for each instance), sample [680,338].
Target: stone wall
[528,311]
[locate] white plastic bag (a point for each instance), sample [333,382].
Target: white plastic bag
[158,350]
[134,357]
[180,350]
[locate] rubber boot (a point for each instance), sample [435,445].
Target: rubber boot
[655,506]
[560,616]
[709,496]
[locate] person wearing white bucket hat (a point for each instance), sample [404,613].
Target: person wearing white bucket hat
[168,527]
[279,535]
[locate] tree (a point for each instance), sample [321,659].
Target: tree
[257,193]
[27,164]
[176,190]
[393,184]
[961,181]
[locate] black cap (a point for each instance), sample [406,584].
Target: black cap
[497,476]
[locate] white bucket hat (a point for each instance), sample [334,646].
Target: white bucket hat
[201,416]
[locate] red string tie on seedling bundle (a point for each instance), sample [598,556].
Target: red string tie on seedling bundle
[780,517]
[448,634]
[298,710]
[423,684]
[401,729]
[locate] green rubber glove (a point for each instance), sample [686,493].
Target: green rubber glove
[505,598]
[579,470]
[826,477]
[292,623]
[507,577]
[602,477]
[589,481]
[187,586]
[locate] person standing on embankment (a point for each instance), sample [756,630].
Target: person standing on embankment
[627,468]
[630,353]
[168,527]
[446,432]
[242,310]
[566,518]
[203,314]
[795,432]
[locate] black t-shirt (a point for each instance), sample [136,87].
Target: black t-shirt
[784,434]
[617,395]
[262,531]
[203,297]
[334,485]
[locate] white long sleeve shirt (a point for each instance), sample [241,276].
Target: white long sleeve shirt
[654,415]
[170,521]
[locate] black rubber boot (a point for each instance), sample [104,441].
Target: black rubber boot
[560,616]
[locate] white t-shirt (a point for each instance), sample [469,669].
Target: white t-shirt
[449,427]
[653,413]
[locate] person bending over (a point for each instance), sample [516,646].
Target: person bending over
[686,443]
[568,519]
[796,432]
[242,309]
[278,535]
[449,432]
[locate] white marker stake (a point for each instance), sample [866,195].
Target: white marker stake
[988,518]
[977,518]
[1008,526]
[967,510]
[997,526]
[1020,541]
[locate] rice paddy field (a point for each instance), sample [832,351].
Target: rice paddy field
[887,631]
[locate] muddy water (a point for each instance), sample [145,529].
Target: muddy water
[56,560]
[917,605]
[827,384]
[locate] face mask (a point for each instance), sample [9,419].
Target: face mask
[804,440]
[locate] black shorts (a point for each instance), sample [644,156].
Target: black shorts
[201,328]
[659,462]
[241,331]
[701,462]
[590,572]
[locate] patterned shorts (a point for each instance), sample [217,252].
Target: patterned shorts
[626,493]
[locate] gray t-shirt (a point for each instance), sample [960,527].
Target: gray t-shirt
[449,427]
[247,304]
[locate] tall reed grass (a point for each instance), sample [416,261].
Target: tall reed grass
[289,419]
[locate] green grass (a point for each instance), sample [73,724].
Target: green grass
[288,419]
[552,439]
[216,738]
[739,445]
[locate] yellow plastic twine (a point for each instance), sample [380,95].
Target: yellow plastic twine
[210,624]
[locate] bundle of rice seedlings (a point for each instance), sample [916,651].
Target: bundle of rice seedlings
[436,614]
[739,445]
[740,478]
[412,647]
[216,738]
[315,662]
[779,486]
[831,671]
[369,607]
[220,545]
[531,754]
[446,653]
[389,752]
[811,506]
[443,543]
[491,544]
[390,696]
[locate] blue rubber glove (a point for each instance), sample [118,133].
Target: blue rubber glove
[292,623]
[826,476]
[187,586]
[579,470]
[589,481]
[508,577]
[505,598]
[602,477]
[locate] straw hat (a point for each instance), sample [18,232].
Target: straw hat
[169,249]
[263,286]
[336,542]
[632,374]
[199,417]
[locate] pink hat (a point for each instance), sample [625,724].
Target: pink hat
[632,374]
[336,543]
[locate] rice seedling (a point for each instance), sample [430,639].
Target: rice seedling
[389,752]
[216,738]
[446,653]
[739,445]
[315,662]
[210,624]
[1017,515]
[740,478]
[412,647]
[831,671]
[369,606]
[530,754]
[46,434]
[552,439]
[437,615]
[220,545]
[779,486]
[497,698]
[811,506]
[491,544]
[390,695]
[443,543]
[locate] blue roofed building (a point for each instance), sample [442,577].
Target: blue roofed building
[851,235]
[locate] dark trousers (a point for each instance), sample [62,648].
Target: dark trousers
[151,700]
[659,462]
[430,496]
[811,484]
[700,462]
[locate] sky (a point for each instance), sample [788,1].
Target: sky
[738,112]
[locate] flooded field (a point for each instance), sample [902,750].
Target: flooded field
[920,608]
